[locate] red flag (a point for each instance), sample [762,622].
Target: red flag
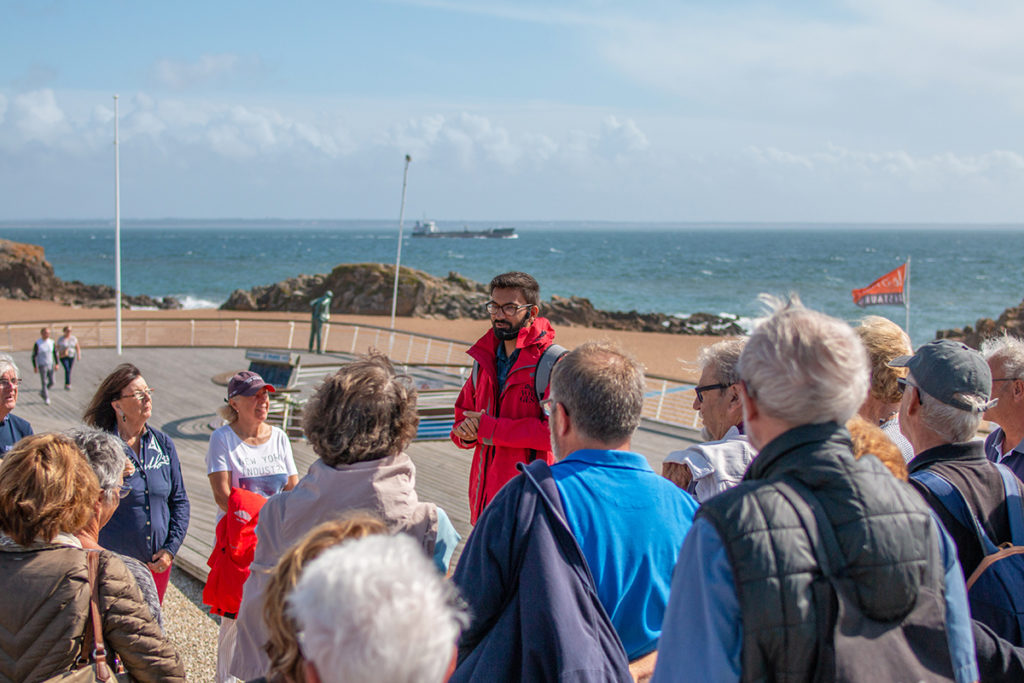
[887,289]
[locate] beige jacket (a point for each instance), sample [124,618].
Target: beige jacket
[385,488]
[44,608]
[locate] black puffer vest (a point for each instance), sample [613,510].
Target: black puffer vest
[882,525]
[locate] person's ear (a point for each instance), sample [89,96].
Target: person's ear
[747,402]
[310,671]
[1018,390]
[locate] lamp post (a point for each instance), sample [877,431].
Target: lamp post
[398,257]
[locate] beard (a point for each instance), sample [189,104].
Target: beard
[508,333]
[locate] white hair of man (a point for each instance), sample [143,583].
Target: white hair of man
[804,367]
[105,454]
[7,363]
[953,424]
[1009,351]
[724,357]
[376,609]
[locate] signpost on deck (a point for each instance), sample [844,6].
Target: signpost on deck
[117,232]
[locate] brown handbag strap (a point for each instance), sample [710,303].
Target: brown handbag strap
[99,652]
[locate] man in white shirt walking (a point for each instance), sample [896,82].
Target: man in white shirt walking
[44,360]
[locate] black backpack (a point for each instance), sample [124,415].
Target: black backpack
[853,646]
[995,590]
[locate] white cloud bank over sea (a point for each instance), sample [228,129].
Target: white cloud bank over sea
[843,111]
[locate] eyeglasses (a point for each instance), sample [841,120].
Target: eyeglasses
[548,406]
[140,395]
[508,309]
[708,387]
[6,384]
[124,490]
[901,385]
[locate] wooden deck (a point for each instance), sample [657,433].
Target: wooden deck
[185,401]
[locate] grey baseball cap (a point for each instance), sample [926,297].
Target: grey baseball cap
[946,369]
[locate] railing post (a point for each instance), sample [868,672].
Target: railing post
[327,333]
[661,399]
[145,333]
[291,333]
[237,323]
[192,332]
[426,354]
[408,348]
[355,335]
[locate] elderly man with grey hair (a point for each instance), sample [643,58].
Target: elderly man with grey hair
[754,593]
[375,609]
[947,389]
[12,427]
[1005,445]
[707,469]
[105,453]
[567,570]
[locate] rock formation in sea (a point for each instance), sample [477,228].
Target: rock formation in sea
[1010,322]
[26,274]
[366,289]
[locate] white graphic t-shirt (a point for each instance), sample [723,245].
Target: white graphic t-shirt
[262,469]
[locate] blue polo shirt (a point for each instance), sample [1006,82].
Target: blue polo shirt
[630,523]
[12,430]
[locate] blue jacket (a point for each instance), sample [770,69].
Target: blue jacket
[12,430]
[155,514]
[535,611]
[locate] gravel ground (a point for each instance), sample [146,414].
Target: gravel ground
[191,627]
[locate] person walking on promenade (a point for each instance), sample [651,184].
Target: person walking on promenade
[885,340]
[589,540]
[817,566]
[498,412]
[12,427]
[44,360]
[68,351]
[321,314]
[1005,444]
[707,469]
[151,522]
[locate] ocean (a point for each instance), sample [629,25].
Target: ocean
[958,273]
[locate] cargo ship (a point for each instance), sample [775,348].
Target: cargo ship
[429,229]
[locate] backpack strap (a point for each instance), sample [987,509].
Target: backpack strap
[542,375]
[953,500]
[814,521]
[1014,505]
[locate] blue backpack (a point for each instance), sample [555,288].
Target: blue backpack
[995,590]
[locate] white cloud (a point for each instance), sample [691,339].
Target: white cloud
[38,117]
[206,70]
[3,108]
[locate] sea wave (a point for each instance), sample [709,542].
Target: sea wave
[190,302]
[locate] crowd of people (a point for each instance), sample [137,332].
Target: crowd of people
[840,521]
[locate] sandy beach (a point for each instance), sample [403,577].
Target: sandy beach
[668,355]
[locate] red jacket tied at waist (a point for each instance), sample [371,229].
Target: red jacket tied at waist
[232,552]
[513,428]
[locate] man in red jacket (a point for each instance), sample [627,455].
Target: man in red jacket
[498,412]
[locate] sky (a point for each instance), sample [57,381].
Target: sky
[632,110]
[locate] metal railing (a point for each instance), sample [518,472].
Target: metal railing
[668,400]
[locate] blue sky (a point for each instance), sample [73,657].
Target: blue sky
[571,109]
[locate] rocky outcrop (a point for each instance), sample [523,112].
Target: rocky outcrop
[366,289]
[26,274]
[1010,322]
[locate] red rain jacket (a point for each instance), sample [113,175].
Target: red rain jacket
[513,428]
[232,552]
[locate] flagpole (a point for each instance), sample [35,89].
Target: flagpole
[398,256]
[117,230]
[906,300]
